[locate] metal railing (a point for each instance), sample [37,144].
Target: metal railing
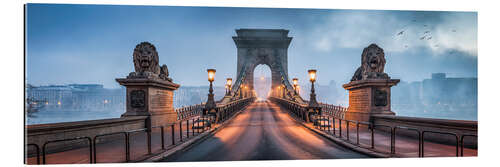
[419,134]
[188,114]
[189,111]
[125,135]
[298,111]
[37,149]
[64,140]
[148,134]
[444,133]
[462,143]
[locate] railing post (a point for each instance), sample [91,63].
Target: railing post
[357,133]
[187,128]
[422,139]
[180,130]
[457,144]
[340,128]
[393,140]
[347,129]
[173,133]
[192,130]
[127,147]
[333,126]
[162,133]
[372,136]
[94,148]
[149,140]
[329,125]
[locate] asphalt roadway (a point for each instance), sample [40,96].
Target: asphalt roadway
[263,132]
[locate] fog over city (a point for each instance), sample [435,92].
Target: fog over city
[90,44]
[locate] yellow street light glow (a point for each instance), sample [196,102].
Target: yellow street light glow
[211,75]
[229,81]
[295,81]
[312,75]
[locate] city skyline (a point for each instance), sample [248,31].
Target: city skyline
[62,47]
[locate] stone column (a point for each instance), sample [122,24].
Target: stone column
[369,97]
[150,97]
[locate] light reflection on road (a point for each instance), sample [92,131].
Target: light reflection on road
[264,132]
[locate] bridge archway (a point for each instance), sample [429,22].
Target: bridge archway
[262,46]
[262,81]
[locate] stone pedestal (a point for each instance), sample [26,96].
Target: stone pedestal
[151,97]
[369,97]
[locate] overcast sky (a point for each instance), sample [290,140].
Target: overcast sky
[94,43]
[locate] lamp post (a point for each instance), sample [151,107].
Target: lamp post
[210,105]
[313,104]
[284,91]
[298,89]
[245,91]
[229,82]
[295,83]
[241,91]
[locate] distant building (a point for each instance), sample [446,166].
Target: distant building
[437,97]
[440,89]
[81,97]
[190,95]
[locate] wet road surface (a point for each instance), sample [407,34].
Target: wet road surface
[263,132]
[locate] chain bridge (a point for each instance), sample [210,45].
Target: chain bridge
[238,127]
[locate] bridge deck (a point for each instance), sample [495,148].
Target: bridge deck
[264,132]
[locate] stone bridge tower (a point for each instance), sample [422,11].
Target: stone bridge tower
[262,46]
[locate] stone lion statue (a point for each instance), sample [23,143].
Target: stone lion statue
[164,73]
[146,63]
[372,64]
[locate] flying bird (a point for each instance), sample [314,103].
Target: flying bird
[429,38]
[401,33]
[426,32]
[422,38]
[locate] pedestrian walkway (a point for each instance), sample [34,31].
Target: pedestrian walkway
[113,151]
[405,146]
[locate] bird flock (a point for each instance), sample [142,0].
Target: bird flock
[424,35]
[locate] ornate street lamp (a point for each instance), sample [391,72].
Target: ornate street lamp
[313,104]
[229,82]
[284,91]
[210,105]
[241,91]
[246,91]
[295,84]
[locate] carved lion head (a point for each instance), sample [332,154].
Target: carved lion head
[373,59]
[146,58]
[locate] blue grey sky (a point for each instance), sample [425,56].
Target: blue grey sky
[94,43]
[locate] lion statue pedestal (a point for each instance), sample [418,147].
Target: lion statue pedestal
[369,97]
[370,88]
[149,89]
